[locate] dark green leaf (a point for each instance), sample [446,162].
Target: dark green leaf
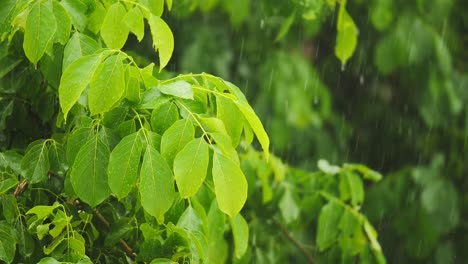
[35,163]
[327,230]
[89,172]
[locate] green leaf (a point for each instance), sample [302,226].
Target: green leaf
[346,39]
[190,167]
[123,165]
[164,116]
[226,110]
[350,224]
[75,79]
[7,184]
[96,18]
[43,211]
[156,183]
[285,27]
[327,230]
[75,142]
[35,163]
[39,32]
[181,89]
[107,85]
[48,260]
[135,23]
[62,34]
[175,138]
[89,172]
[230,185]
[288,206]
[7,243]
[224,145]
[77,11]
[355,188]
[79,45]
[114,31]
[256,126]
[163,40]
[57,158]
[240,231]
[156,7]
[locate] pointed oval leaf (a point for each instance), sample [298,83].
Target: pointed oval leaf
[75,79]
[181,89]
[156,183]
[114,31]
[164,116]
[190,167]
[79,45]
[107,85]
[230,185]
[39,32]
[256,125]
[346,39]
[123,165]
[135,23]
[62,33]
[328,222]
[89,172]
[240,231]
[163,40]
[77,11]
[175,138]
[75,142]
[35,164]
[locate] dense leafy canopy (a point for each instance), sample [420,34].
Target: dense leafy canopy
[105,158]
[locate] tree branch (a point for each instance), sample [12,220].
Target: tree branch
[296,243]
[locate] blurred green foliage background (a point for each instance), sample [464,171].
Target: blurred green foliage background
[398,105]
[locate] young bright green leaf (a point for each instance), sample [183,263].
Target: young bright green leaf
[175,138]
[79,45]
[39,32]
[114,31]
[42,211]
[77,11]
[123,165]
[240,231]
[327,230]
[96,18]
[349,223]
[190,167]
[135,23]
[346,39]
[35,163]
[169,4]
[156,7]
[75,79]
[156,183]
[230,185]
[134,82]
[224,144]
[89,172]
[226,109]
[285,27]
[181,89]
[164,116]
[256,126]
[107,85]
[62,33]
[163,40]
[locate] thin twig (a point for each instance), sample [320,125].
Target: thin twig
[296,243]
[123,245]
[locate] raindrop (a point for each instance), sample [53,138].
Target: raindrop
[361,79]
[262,23]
